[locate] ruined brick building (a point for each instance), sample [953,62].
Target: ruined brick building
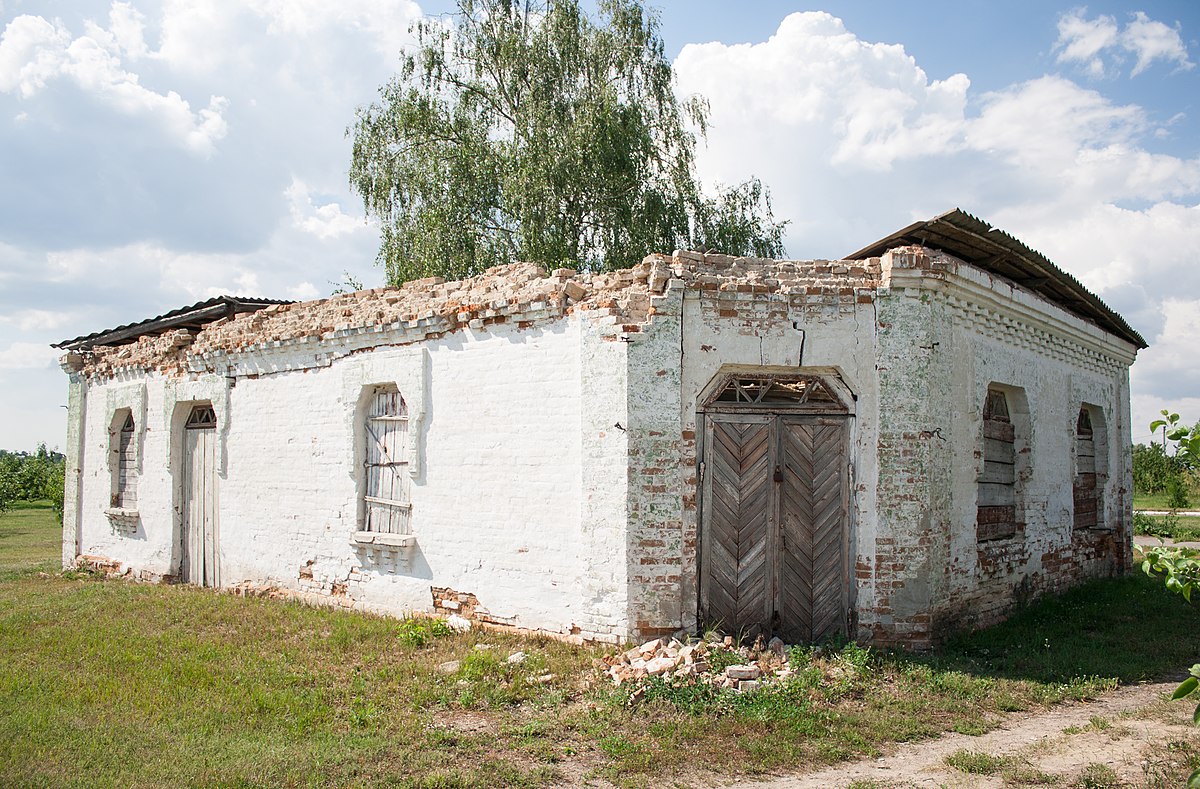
[888,446]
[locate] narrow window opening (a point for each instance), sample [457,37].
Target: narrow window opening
[1090,468]
[386,507]
[996,515]
[125,474]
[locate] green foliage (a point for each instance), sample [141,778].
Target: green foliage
[1178,567]
[1187,439]
[527,131]
[1177,493]
[30,477]
[1154,469]
[419,632]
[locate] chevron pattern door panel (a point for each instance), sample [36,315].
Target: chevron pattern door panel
[773,536]
[736,588]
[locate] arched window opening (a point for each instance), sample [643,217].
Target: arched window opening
[996,515]
[1090,469]
[124,494]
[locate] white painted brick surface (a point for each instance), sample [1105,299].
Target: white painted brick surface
[498,503]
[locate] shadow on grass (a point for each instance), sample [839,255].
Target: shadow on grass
[1130,629]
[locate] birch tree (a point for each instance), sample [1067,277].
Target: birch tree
[526,131]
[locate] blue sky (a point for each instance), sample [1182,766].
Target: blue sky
[158,153]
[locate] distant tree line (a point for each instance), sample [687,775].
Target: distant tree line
[26,476]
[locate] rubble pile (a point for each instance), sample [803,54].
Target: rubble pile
[716,661]
[521,294]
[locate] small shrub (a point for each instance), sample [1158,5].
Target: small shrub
[419,632]
[1098,776]
[1177,493]
[975,762]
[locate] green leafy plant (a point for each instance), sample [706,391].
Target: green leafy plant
[419,632]
[1187,439]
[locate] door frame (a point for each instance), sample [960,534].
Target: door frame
[181,494]
[840,404]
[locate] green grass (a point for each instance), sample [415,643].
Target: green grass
[111,683]
[1179,528]
[30,539]
[1158,501]
[976,762]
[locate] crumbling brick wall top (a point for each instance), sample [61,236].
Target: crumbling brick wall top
[519,293]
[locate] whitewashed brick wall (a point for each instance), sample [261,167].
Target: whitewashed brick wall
[505,504]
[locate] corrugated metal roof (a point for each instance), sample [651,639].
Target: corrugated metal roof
[971,239]
[191,317]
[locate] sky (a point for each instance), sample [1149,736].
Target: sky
[154,154]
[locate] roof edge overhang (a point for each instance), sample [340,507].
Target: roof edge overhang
[974,241]
[190,317]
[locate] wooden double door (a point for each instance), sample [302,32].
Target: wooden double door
[774,525]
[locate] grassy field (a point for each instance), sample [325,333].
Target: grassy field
[109,683]
[1159,501]
[30,540]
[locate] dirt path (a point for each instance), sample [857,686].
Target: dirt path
[1127,731]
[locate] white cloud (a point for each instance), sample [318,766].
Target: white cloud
[815,75]
[383,20]
[1081,40]
[1049,119]
[1074,146]
[202,36]
[1168,367]
[34,51]
[28,356]
[305,291]
[198,36]
[183,276]
[35,319]
[1150,40]
[1100,46]
[127,25]
[325,221]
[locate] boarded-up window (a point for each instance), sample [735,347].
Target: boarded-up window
[125,473]
[386,490]
[1086,489]
[996,516]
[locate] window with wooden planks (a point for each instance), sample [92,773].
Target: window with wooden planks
[996,516]
[1090,468]
[124,448]
[386,507]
